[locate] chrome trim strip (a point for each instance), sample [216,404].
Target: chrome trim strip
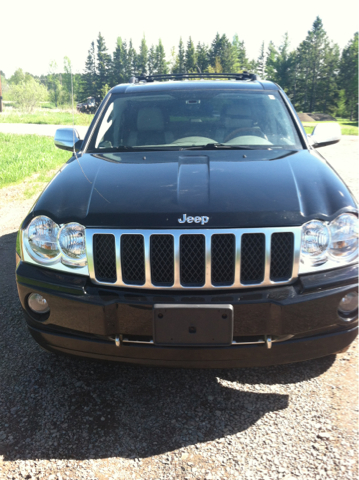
[267,256]
[208,239]
[126,340]
[267,339]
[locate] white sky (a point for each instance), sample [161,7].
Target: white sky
[33,33]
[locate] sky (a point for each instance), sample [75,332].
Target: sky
[33,34]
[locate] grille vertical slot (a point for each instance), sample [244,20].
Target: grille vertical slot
[104,252]
[282,251]
[252,258]
[223,248]
[192,260]
[133,259]
[162,260]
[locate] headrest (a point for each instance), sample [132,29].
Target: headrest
[238,116]
[150,119]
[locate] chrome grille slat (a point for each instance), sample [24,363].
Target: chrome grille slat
[207,233]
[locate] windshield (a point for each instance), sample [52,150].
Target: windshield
[195,119]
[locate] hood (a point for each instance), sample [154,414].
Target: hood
[255,188]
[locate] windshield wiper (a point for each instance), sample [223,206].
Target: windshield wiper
[223,146]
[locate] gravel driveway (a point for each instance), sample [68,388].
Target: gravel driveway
[62,418]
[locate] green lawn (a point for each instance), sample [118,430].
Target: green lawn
[348,127]
[23,155]
[46,117]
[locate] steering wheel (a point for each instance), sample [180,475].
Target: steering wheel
[243,129]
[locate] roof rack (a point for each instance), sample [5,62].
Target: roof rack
[246,76]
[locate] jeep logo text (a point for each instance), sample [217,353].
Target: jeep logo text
[201,220]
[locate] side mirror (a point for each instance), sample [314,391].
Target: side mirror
[67,139]
[325,134]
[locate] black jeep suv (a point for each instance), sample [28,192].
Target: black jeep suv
[195,225]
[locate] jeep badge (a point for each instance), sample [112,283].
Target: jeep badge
[202,220]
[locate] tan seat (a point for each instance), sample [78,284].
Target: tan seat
[234,118]
[150,128]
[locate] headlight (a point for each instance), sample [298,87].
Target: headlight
[41,242]
[48,244]
[315,241]
[344,234]
[329,245]
[72,244]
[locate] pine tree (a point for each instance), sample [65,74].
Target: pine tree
[285,66]
[202,57]
[180,65]
[270,71]
[103,66]
[118,66]
[261,62]
[161,66]
[240,52]
[132,70]
[215,50]
[349,76]
[152,60]
[328,91]
[142,58]
[90,74]
[191,61]
[311,54]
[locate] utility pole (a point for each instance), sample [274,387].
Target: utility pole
[0,95]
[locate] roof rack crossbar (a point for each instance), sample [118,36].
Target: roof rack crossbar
[246,76]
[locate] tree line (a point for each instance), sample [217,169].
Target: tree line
[316,76]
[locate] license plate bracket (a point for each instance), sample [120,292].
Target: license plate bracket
[192,325]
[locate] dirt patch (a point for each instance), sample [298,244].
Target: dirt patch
[316,117]
[305,117]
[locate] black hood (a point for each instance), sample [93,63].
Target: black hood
[254,188]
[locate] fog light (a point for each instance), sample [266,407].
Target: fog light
[348,306]
[37,303]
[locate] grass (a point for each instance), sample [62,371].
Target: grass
[22,156]
[348,127]
[46,117]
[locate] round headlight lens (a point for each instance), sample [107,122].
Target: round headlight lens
[42,239]
[344,232]
[315,241]
[73,245]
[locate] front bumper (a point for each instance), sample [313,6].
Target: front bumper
[85,319]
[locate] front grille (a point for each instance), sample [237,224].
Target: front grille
[133,259]
[105,258]
[162,260]
[185,259]
[223,259]
[282,250]
[192,260]
[252,258]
